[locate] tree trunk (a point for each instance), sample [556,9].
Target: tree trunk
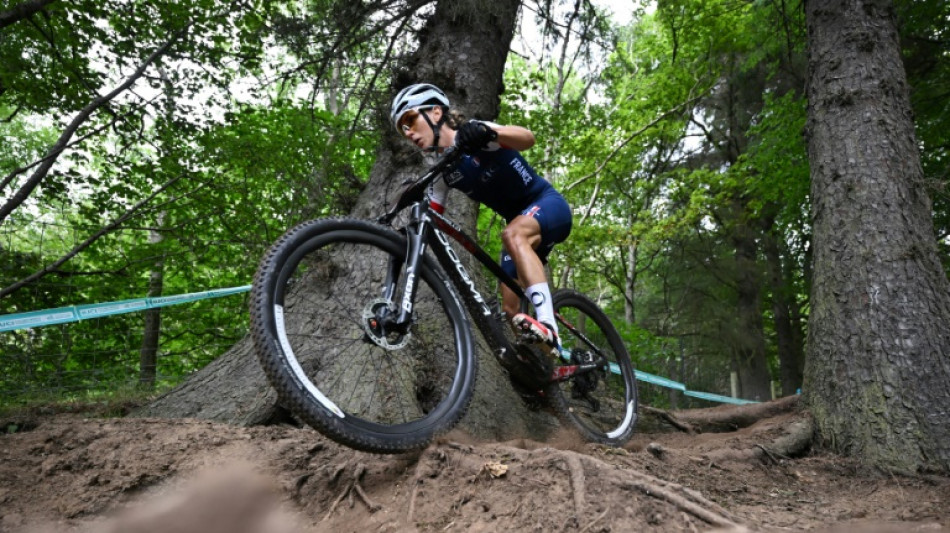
[877,376]
[148,353]
[790,350]
[463,50]
[630,279]
[755,381]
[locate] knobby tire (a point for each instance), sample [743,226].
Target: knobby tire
[368,388]
[602,404]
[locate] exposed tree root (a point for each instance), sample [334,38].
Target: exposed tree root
[412,499]
[593,522]
[686,500]
[418,474]
[733,417]
[793,443]
[670,418]
[351,488]
[521,466]
[506,464]
[577,482]
[682,498]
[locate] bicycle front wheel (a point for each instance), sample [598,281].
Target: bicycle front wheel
[602,403]
[319,304]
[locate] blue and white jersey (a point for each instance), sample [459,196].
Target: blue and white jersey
[498,177]
[501,179]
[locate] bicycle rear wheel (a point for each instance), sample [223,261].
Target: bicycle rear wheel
[601,404]
[318,321]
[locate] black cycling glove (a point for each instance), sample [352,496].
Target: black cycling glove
[473,136]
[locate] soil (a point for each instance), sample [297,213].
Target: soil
[75,472]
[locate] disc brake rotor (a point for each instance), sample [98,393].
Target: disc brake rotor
[375,327]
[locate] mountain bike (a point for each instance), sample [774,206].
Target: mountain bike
[364,328]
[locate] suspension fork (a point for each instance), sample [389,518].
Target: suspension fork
[416,243]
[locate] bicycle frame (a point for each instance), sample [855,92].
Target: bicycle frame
[425,223]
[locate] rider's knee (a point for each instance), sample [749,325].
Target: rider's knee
[513,238]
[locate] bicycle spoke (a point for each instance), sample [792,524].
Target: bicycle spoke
[386,378]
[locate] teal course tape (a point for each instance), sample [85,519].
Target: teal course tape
[75,313]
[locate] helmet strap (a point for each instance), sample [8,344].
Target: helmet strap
[436,128]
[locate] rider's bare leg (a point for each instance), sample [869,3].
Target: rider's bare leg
[520,238]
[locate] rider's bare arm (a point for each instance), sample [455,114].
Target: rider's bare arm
[514,137]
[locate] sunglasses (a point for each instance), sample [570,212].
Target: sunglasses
[407,120]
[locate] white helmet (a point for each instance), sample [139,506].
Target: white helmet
[415,96]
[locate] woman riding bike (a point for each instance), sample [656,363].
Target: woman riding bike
[494,173]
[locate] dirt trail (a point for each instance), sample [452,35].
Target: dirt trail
[70,473]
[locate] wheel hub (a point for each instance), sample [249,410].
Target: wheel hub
[379,328]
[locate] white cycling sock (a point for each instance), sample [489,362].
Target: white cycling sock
[540,296]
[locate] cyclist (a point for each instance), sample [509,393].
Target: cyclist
[494,173]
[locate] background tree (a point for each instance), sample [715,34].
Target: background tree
[924,44]
[877,374]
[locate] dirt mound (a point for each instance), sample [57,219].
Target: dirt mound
[69,473]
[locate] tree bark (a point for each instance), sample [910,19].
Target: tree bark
[630,277]
[463,50]
[877,376]
[148,353]
[734,104]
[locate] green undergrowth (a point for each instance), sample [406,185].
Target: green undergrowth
[21,414]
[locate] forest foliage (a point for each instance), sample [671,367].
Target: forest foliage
[176,140]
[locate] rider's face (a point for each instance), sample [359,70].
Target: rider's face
[416,129]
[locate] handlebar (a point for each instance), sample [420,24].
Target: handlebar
[417,189]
